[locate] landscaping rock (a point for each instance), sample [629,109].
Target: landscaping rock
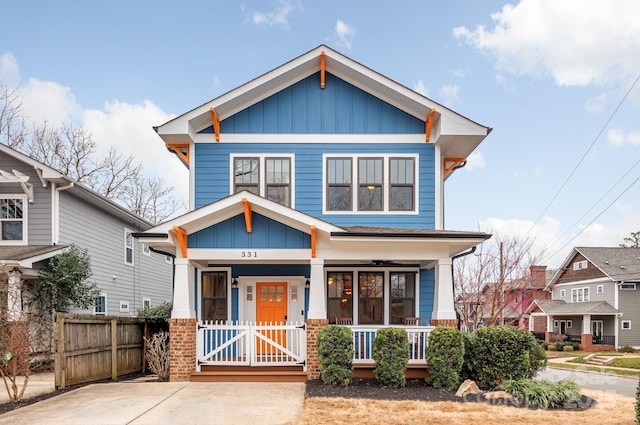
[491,395]
[467,387]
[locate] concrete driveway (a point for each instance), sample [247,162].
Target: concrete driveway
[159,403]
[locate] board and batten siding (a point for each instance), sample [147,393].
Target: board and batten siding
[102,234]
[39,212]
[213,177]
[628,302]
[427,294]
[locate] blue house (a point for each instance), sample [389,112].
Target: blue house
[316,197]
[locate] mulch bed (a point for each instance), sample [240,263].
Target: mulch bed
[417,389]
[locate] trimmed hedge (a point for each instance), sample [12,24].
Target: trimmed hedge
[445,357]
[335,352]
[391,355]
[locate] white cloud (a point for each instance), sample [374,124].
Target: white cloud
[596,105]
[345,33]
[617,137]
[279,15]
[421,88]
[49,101]
[576,42]
[449,94]
[475,161]
[9,72]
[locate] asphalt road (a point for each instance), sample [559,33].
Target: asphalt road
[595,381]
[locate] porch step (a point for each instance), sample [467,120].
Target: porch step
[249,374]
[598,360]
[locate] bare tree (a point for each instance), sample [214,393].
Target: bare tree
[631,241]
[485,281]
[13,131]
[150,198]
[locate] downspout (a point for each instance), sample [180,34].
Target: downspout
[453,278]
[56,211]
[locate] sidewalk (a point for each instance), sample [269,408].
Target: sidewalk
[558,361]
[39,383]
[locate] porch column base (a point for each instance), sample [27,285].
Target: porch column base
[313,363]
[586,342]
[547,337]
[182,349]
[446,323]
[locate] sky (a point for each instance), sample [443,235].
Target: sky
[557,81]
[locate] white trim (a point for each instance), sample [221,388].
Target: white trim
[580,265]
[633,288]
[586,294]
[622,324]
[198,291]
[239,138]
[563,293]
[386,157]
[146,249]
[584,282]
[262,178]
[126,247]
[146,300]
[102,295]
[24,220]
[599,289]
[125,306]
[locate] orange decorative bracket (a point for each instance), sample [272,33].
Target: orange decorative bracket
[429,123]
[181,234]
[453,164]
[180,149]
[322,67]
[313,241]
[216,123]
[247,214]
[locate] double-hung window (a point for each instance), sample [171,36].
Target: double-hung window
[339,295]
[580,295]
[128,247]
[13,220]
[214,295]
[402,297]
[370,183]
[266,176]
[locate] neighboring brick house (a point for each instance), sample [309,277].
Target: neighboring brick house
[595,298]
[316,196]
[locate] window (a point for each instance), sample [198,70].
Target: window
[370,184]
[628,286]
[146,250]
[370,296]
[128,247]
[273,183]
[563,293]
[339,295]
[168,259]
[146,302]
[401,178]
[100,306]
[12,219]
[556,324]
[384,184]
[214,295]
[569,324]
[124,306]
[402,297]
[580,265]
[339,184]
[626,324]
[600,289]
[579,295]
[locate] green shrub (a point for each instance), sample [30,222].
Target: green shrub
[391,354]
[158,312]
[638,404]
[335,352]
[559,346]
[544,345]
[543,394]
[567,348]
[468,339]
[445,356]
[627,349]
[501,353]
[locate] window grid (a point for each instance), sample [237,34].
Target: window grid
[339,184]
[128,247]
[579,295]
[370,298]
[401,184]
[402,296]
[339,295]
[370,176]
[214,295]
[12,215]
[100,304]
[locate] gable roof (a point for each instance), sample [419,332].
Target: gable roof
[46,173]
[618,264]
[558,307]
[456,135]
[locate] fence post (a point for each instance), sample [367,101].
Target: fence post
[114,349]
[60,365]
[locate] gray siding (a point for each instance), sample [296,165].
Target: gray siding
[628,302]
[38,212]
[102,234]
[608,295]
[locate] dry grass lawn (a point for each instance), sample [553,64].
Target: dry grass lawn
[612,409]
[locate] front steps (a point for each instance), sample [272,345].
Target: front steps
[593,359]
[249,374]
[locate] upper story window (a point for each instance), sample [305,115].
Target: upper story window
[13,215]
[266,176]
[128,247]
[384,184]
[580,295]
[579,265]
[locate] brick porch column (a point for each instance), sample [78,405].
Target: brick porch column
[182,349]
[446,323]
[313,363]
[586,342]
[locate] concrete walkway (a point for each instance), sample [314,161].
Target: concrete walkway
[139,403]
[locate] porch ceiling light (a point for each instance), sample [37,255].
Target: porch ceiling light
[307,284]
[234,283]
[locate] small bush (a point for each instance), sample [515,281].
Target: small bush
[445,356]
[543,394]
[627,349]
[503,353]
[157,354]
[391,354]
[158,312]
[567,348]
[335,352]
[544,345]
[638,404]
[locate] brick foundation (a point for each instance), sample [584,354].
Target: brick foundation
[313,363]
[182,349]
[446,323]
[586,342]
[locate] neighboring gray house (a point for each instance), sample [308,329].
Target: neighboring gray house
[43,211]
[595,298]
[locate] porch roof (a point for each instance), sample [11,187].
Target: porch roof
[558,307]
[23,257]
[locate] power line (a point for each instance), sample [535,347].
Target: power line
[606,124]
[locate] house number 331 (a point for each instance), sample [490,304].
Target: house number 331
[249,254]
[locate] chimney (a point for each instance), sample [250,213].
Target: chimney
[538,276]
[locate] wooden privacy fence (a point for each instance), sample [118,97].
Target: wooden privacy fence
[92,348]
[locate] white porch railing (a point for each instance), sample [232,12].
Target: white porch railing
[363,337]
[251,344]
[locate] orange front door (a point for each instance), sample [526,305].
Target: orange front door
[271,308]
